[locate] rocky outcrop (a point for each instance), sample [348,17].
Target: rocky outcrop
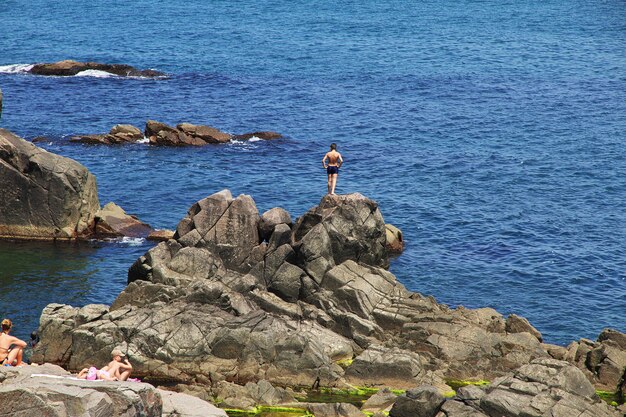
[545,387]
[119,134]
[111,221]
[219,302]
[50,391]
[44,196]
[265,135]
[0,104]
[69,68]
[184,134]
[603,361]
[49,197]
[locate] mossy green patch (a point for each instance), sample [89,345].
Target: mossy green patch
[455,384]
[609,396]
[268,411]
[344,363]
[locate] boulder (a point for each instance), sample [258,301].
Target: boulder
[602,361]
[250,395]
[334,410]
[423,401]
[45,196]
[185,134]
[265,135]
[382,400]
[50,391]
[517,324]
[545,387]
[69,68]
[112,222]
[272,218]
[207,134]
[184,405]
[161,235]
[117,135]
[395,242]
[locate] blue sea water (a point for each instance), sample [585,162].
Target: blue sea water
[491,132]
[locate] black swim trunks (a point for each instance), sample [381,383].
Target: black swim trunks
[332,170]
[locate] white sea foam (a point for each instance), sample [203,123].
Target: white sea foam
[144,140]
[254,139]
[15,68]
[133,241]
[96,74]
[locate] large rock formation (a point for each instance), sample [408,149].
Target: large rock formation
[69,68]
[545,387]
[218,302]
[44,196]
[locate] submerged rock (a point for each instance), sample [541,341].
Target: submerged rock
[44,196]
[265,135]
[220,299]
[69,68]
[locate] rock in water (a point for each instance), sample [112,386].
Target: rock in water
[68,68]
[44,196]
[112,222]
[0,104]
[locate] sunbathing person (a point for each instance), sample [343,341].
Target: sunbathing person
[11,348]
[93,374]
[119,366]
[117,370]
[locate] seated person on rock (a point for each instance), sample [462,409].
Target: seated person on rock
[11,348]
[117,370]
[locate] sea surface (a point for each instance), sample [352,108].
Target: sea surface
[493,133]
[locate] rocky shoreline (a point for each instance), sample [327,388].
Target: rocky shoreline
[244,309]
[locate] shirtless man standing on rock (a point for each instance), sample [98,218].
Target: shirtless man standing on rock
[332,167]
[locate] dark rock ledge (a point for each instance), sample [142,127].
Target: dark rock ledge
[69,68]
[239,298]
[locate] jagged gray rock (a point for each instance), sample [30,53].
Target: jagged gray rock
[423,401]
[45,196]
[545,387]
[217,300]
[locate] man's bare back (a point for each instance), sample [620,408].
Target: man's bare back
[332,161]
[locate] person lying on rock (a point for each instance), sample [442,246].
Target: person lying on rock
[11,348]
[117,370]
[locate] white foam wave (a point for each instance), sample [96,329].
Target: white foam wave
[133,241]
[144,140]
[15,68]
[254,139]
[95,73]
